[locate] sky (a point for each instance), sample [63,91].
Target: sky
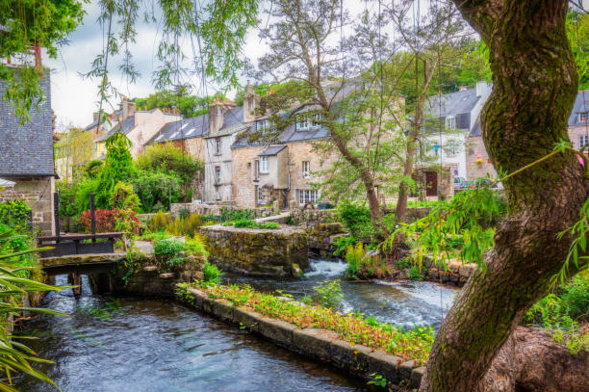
[75,98]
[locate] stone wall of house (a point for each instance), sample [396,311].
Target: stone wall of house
[575,134]
[244,188]
[37,192]
[273,253]
[300,152]
[478,163]
[147,124]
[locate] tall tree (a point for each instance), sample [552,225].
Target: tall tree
[535,84]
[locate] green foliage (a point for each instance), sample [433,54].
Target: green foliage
[118,166]
[171,160]
[354,256]
[342,243]
[329,293]
[93,168]
[415,273]
[188,105]
[167,249]
[230,214]
[467,218]
[211,274]
[154,190]
[15,214]
[246,223]
[15,356]
[196,246]
[159,221]
[378,380]
[123,197]
[67,199]
[269,225]
[182,226]
[356,218]
[575,296]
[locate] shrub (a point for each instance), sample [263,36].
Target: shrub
[211,273]
[342,243]
[354,256]
[159,221]
[93,168]
[575,296]
[357,219]
[196,246]
[415,273]
[170,160]
[16,214]
[67,199]
[228,214]
[154,189]
[107,221]
[124,198]
[329,293]
[246,223]
[167,249]
[270,225]
[184,226]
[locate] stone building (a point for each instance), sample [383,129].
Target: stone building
[26,157]
[579,122]
[140,126]
[454,141]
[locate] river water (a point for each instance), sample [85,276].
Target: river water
[140,345]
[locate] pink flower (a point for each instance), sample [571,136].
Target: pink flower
[581,160]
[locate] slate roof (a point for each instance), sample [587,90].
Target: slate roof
[581,105]
[125,127]
[272,150]
[183,129]
[27,150]
[453,104]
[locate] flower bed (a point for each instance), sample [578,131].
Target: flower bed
[354,328]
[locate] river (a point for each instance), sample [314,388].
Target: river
[135,344]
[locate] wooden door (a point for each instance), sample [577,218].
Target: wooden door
[431,183]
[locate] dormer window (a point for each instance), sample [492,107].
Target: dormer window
[263,124]
[450,122]
[583,116]
[305,123]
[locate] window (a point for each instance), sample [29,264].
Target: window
[307,196]
[306,169]
[256,169]
[450,122]
[217,174]
[583,141]
[263,124]
[218,145]
[306,122]
[264,167]
[583,116]
[260,194]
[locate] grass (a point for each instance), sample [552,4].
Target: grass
[409,344]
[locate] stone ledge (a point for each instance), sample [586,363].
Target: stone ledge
[315,343]
[47,262]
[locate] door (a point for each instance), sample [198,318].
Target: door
[431,184]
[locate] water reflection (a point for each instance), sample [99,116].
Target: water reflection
[138,345]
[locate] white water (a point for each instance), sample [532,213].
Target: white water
[326,268]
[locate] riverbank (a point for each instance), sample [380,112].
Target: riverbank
[319,332]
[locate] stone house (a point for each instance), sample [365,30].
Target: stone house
[225,122]
[26,157]
[479,163]
[140,126]
[454,140]
[579,122]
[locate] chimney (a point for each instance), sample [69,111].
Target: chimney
[124,108]
[250,103]
[95,116]
[217,111]
[482,89]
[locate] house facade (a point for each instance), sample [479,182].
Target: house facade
[27,160]
[455,140]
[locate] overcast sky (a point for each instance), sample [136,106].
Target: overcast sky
[74,98]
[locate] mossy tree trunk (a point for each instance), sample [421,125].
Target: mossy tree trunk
[535,83]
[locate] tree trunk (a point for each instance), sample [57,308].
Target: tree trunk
[535,84]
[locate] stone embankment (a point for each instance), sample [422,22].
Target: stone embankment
[318,344]
[258,252]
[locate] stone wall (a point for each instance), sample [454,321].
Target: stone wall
[319,344]
[244,188]
[275,253]
[37,192]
